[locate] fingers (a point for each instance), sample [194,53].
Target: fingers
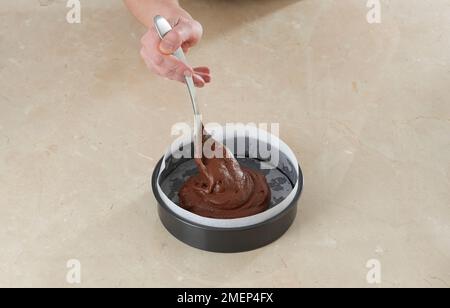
[202,69]
[164,65]
[198,81]
[186,33]
[168,66]
[201,76]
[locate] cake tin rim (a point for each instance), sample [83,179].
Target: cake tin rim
[254,135]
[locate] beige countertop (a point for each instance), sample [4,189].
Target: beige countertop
[365,107]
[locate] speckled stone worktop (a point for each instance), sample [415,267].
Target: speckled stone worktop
[365,107]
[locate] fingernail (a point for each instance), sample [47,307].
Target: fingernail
[199,84]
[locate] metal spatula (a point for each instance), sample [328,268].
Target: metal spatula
[163,27]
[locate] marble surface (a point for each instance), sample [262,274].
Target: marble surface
[365,107]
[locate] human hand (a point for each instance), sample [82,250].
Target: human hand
[158,57]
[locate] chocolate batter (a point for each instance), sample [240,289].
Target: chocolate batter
[223,189]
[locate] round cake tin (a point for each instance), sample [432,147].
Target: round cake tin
[254,148]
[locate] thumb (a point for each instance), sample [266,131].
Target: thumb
[185,32]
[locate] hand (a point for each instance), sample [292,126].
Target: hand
[157,53]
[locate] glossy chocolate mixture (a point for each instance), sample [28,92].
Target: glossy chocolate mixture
[224,189]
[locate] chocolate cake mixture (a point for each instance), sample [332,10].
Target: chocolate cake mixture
[224,189]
